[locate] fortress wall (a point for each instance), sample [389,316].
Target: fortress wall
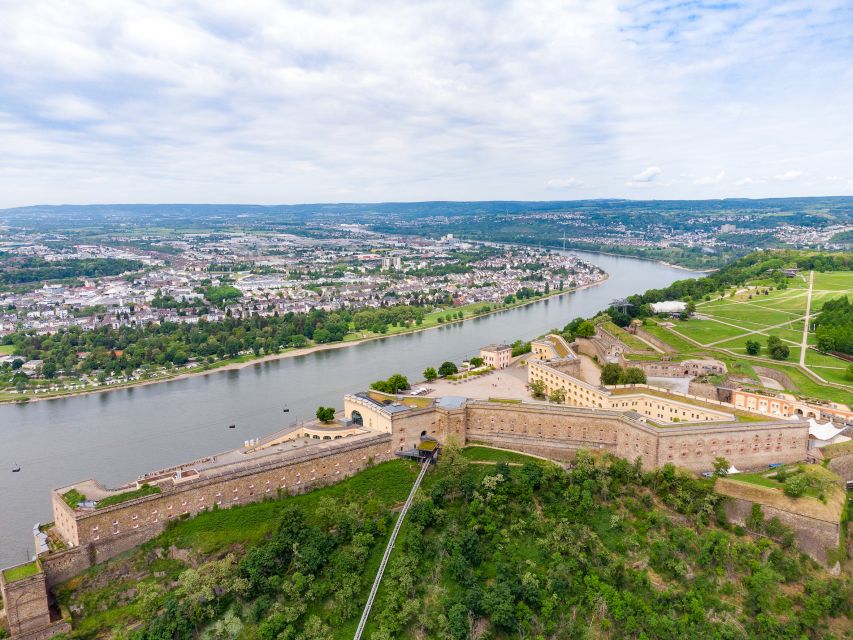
[814,536]
[660,344]
[746,446]
[242,485]
[843,466]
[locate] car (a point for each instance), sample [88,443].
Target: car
[707,474]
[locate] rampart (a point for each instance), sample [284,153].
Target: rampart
[816,525]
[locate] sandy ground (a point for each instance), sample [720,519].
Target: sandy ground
[510,383]
[590,372]
[770,383]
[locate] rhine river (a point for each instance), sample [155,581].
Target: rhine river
[117,435]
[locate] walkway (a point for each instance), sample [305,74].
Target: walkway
[805,344]
[388,550]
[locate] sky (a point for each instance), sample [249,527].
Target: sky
[263,101]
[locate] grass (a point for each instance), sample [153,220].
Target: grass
[73,498]
[487,454]
[141,492]
[505,400]
[21,571]
[820,479]
[6,349]
[382,486]
[630,340]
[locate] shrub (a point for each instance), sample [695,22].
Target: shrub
[796,485]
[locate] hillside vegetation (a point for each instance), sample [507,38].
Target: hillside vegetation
[514,549]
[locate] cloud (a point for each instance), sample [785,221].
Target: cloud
[788,176]
[744,181]
[646,176]
[564,183]
[711,179]
[277,101]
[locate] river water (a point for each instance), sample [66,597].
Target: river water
[115,436]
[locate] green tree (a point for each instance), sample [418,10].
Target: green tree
[325,414]
[611,373]
[476,361]
[430,374]
[753,347]
[721,466]
[586,329]
[398,382]
[796,485]
[776,349]
[633,375]
[447,368]
[537,388]
[558,396]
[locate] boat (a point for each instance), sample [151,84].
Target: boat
[285,410]
[232,426]
[16,468]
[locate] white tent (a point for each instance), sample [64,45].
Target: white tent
[732,470]
[825,434]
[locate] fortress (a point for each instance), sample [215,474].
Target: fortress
[93,523]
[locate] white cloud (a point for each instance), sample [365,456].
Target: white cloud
[788,176]
[744,181]
[564,183]
[285,101]
[647,175]
[717,179]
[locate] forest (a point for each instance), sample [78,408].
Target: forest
[14,271]
[507,547]
[123,350]
[835,326]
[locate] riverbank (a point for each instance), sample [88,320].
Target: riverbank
[242,362]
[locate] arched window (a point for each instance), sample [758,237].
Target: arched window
[357,419]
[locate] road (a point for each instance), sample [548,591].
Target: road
[805,344]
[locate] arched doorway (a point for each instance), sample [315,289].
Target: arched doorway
[357,419]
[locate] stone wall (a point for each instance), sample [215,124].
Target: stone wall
[815,537]
[843,466]
[234,485]
[27,609]
[703,390]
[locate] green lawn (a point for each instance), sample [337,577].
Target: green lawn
[6,349]
[21,571]
[487,454]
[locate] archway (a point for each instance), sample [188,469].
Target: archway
[357,419]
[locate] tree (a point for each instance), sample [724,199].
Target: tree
[721,466]
[430,374]
[753,347]
[633,375]
[537,388]
[611,373]
[325,414]
[558,396]
[776,349]
[476,361]
[849,373]
[796,485]
[447,368]
[585,329]
[397,382]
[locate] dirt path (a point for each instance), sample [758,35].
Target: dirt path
[805,342]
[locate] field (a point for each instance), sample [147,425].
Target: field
[758,311]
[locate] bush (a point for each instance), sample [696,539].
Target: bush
[325,414]
[447,368]
[796,485]
[753,347]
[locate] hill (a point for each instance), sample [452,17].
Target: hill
[514,549]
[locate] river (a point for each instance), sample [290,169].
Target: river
[115,436]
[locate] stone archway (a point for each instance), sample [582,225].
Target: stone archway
[357,419]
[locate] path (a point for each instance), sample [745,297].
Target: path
[750,332]
[805,344]
[388,550]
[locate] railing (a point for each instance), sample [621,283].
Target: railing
[376,581]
